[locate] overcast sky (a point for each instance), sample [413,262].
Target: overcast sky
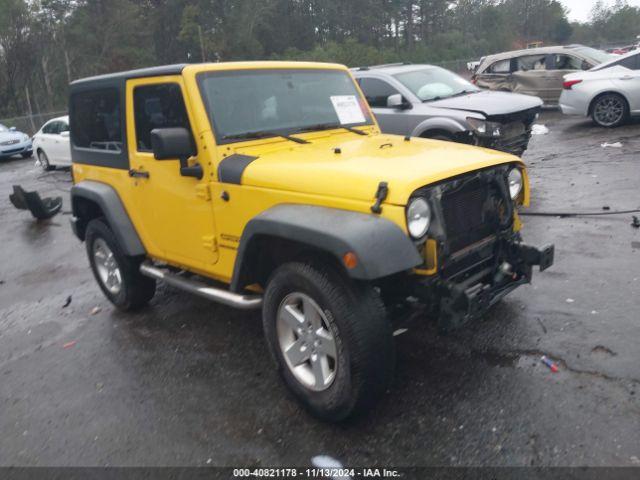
[580,9]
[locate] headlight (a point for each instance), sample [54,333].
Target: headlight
[515,183]
[418,217]
[484,128]
[25,137]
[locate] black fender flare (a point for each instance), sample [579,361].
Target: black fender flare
[113,209]
[381,247]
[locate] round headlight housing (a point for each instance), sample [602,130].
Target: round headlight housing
[515,182]
[418,218]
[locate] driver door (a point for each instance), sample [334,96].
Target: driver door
[173,212]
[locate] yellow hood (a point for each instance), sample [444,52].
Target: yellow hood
[363,162]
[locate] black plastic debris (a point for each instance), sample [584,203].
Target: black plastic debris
[636,222]
[40,208]
[67,302]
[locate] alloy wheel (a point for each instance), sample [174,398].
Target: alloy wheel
[44,161]
[306,341]
[609,110]
[107,266]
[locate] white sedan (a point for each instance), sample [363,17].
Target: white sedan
[608,93]
[51,144]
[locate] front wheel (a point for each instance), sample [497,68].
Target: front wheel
[44,161]
[330,338]
[610,110]
[117,274]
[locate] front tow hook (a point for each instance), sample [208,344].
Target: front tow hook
[533,256]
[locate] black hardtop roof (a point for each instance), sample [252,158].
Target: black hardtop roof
[139,73]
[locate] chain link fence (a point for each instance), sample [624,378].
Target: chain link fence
[30,124]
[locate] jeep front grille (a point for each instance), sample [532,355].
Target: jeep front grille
[469,214]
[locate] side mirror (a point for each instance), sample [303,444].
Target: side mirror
[65,134]
[175,143]
[397,101]
[12,129]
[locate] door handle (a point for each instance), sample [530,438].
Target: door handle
[138,174]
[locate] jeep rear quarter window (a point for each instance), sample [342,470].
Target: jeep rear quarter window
[96,120]
[157,106]
[244,101]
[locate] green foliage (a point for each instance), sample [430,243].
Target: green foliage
[44,44]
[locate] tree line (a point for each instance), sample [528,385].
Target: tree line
[45,44]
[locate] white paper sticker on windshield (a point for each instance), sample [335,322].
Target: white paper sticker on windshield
[348,109]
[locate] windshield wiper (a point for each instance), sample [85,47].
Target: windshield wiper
[330,126]
[463,92]
[263,134]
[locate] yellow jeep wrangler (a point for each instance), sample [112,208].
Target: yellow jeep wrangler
[269,185]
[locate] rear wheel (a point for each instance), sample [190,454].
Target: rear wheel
[610,110]
[44,161]
[330,338]
[117,274]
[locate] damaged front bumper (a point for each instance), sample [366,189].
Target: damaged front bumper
[468,299]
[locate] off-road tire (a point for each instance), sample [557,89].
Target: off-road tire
[136,290]
[363,338]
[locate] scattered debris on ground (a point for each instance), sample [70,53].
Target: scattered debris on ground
[611,145]
[552,366]
[326,462]
[635,222]
[69,344]
[96,310]
[400,331]
[67,302]
[539,129]
[601,349]
[40,208]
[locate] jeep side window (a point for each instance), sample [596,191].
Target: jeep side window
[96,120]
[157,106]
[376,91]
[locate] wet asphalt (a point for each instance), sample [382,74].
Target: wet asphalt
[187,382]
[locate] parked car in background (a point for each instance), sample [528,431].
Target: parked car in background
[431,102]
[609,93]
[51,144]
[13,142]
[536,71]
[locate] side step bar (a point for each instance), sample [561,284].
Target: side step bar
[244,302]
